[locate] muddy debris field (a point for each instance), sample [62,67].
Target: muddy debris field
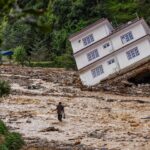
[94,120]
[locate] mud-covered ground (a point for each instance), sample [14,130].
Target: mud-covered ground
[94,119]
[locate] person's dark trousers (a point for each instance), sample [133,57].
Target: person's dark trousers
[59,117]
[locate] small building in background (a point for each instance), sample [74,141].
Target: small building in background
[100,50]
[5,55]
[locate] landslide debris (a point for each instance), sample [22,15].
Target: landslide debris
[94,119]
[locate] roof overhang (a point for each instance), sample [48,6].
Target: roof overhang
[89,28]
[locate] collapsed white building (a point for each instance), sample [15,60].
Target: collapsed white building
[100,50]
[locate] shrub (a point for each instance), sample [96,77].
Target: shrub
[20,55]
[3,128]
[9,141]
[4,88]
[14,141]
[3,147]
[64,61]
[44,64]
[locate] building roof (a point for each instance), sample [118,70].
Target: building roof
[88,27]
[118,29]
[126,25]
[91,64]
[6,53]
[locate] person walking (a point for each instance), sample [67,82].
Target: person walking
[60,111]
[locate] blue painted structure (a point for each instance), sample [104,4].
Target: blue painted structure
[6,53]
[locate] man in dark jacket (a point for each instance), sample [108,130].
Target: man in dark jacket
[60,111]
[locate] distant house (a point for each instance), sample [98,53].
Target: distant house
[6,53]
[101,50]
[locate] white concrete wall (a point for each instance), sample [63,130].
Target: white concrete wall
[87,78]
[115,43]
[137,31]
[98,33]
[82,60]
[144,50]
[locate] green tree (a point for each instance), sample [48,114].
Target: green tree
[43,27]
[20,55]
[16,34]
[3,147]
[1,58]
[14,141]
[10,140]
[3,128]
[3,24]
[4,88]
[121,11]
[144,9]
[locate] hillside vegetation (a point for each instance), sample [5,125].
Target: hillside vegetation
[42,28]
[9,140]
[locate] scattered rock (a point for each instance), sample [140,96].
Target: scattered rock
[146,117]
[50,129]
[12,119]
[34,86]
[97,134]
[28,121]
[77,142]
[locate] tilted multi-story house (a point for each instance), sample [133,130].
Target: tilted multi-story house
[101,50]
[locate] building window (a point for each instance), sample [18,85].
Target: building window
[127,37]
[132,53]
[87,40]
[92,55]
[111,61]
[97,71]
[106,45]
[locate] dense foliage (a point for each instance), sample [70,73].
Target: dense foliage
[20,55]
[11,140]
[43,27]
[3,128]
[4,88]
[14,141]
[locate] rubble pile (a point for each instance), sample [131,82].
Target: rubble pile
[38,144]
[125,82]
[60,76]
[132,81]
